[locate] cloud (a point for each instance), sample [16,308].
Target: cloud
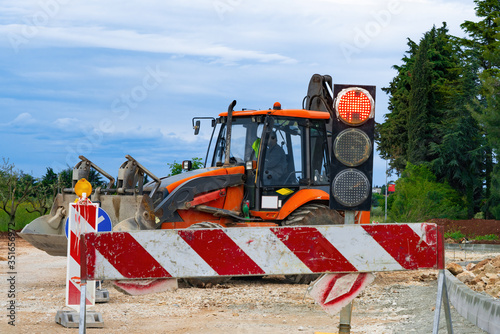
[91,37]
[22,120]
[76,59]
[66,123]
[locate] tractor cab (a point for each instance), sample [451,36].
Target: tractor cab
[283,151]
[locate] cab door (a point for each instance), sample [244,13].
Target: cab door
[285,141]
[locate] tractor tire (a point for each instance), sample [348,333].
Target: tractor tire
[307,215]
[205,282]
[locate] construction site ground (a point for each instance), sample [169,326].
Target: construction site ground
[397,302]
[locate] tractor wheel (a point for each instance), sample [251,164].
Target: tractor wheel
[311,214]
[206,282]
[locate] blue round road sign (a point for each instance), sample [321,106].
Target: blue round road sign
[103,222]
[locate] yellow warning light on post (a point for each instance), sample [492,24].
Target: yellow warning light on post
[83,186]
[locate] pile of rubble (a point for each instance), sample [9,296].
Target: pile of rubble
[481,277]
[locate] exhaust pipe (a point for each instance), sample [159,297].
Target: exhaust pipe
[228,131]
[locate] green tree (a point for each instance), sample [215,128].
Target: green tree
[65,178]
[419,98]
[420,197]
[483,35]
[429,121]
[378,200]
[483,46]
[15,188]
[490,118]
[418,125]
[392,135]
[459,158]
[41,201]
[176,168]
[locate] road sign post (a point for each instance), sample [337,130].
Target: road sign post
[346,312]
[83,218]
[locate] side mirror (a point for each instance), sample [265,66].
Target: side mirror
[197,128]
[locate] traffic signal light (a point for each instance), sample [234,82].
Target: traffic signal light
[352,157]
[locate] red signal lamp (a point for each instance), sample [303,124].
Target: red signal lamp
[354,106]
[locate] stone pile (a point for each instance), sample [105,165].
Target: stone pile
[481,277]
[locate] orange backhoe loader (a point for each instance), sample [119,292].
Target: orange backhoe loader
[263,168]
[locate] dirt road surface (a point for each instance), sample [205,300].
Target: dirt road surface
[401,302]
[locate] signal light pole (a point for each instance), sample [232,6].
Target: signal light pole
[352,160]
[385,212]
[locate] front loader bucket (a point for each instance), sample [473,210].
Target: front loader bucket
[55,244]
[125,202]
[48,232]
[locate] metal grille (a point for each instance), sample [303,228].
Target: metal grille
[351,187]
[352,147]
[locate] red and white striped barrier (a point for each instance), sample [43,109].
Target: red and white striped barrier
[346,253]
[82,219]
[260,251]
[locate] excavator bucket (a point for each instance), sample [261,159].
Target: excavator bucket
[39,234]
[120,203]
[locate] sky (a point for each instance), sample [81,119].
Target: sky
[104,79]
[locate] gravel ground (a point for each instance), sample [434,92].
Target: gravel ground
[399,302]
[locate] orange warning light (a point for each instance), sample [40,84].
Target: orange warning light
[83,186]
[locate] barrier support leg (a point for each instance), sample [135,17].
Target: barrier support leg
[345,319]
[83,307]
[346,312]
[442,298]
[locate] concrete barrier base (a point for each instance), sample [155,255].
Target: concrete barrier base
[101,295]
[480,309]
[71,319]
[482,248]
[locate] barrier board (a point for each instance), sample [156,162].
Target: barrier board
[348,254]
[260,251]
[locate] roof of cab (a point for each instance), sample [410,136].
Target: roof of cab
[302,113]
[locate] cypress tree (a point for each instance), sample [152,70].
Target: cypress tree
[392,135]
[483,45]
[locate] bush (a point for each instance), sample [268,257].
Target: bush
[455,235]
[479,215]
[378,200]
[487,237]
[377,211]
[377,214]
[420,197]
